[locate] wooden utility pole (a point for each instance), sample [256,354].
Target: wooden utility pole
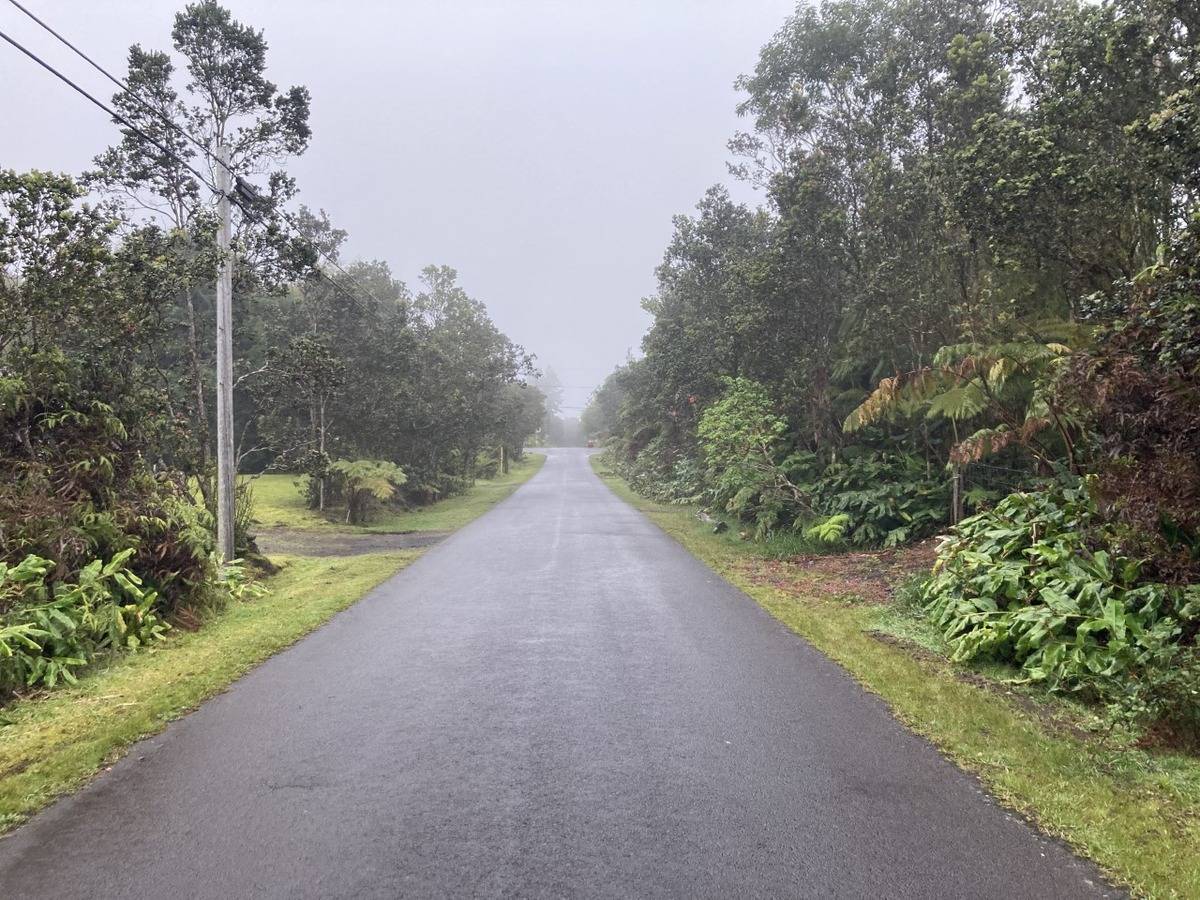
[225,467]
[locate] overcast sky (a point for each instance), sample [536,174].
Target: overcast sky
[540,148]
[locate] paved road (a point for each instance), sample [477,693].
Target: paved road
[558,701]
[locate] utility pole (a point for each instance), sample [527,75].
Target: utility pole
[225,473]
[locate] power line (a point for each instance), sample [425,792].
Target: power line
[125,88]
[112,112]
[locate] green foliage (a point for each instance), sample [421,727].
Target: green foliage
[238,585]
[740,437]
[887,498]
[662,473]
[1139,392]
[831,530]
[50,629]
[487,463]
[1164,699]
[1031,583]
[363,480]
[427,381]
[233,102]
[945,182]
[376,477]
[1012,382]
[866,499]
[75,486]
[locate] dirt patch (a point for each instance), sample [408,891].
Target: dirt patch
[293,541]
[869,576]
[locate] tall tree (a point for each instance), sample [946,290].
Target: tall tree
[227,99]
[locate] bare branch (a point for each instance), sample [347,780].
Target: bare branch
[237,381]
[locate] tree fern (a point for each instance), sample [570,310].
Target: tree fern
[367,478]
[1010,382]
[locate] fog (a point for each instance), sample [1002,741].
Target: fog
[540,148]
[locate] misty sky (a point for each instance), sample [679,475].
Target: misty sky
[540,148]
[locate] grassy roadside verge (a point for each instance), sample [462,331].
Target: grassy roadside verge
[1136,814]
[53,744]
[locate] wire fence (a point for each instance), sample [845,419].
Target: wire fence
[977,486]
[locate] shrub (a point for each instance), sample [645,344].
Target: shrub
[888,498]
[74,486]
[362,480]
[662,474]
[741,438]
[872,498]
[236,584]
[1034,583]
[487,464]
[1165,698]
[49,630]
[829,531]
[1139,390]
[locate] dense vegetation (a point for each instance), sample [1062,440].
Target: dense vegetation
[974,289]
[106,360]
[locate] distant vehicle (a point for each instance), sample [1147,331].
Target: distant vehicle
[591,443]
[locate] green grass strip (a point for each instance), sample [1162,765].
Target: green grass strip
[1135,813]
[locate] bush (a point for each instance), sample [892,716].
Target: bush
[741,438]
[887,498]
[49,630]
[1033,582]
[74,487]
[866,499]
[662,474]
[1138,390]
[487,464]
[1165,699]
[360,481]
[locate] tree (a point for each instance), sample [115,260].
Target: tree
[457,390]
[741,438]
[53,252]
[71,284]
[363,480]
[301,382]
[227,100]
[521,413]
[706,312]
[951,188]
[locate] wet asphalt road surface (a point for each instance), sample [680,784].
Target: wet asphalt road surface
[556,701]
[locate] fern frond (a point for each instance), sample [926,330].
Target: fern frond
[831,530]
[894,395]
[960,402]
[982,443]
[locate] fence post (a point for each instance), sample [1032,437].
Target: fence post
[956,496]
